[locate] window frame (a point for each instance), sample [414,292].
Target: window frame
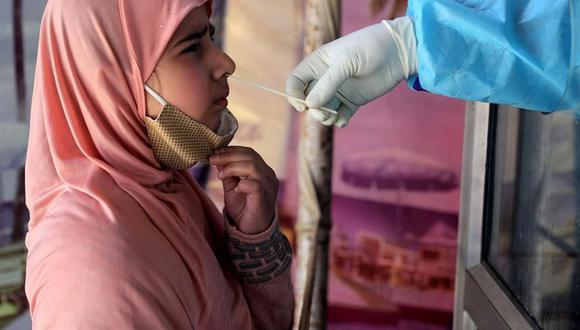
[480,296]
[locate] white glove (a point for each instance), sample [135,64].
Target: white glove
[354,70]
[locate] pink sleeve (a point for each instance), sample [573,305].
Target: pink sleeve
[262,264]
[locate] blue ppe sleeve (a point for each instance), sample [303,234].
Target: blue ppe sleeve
[524,53]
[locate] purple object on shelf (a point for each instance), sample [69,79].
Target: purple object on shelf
[403,171]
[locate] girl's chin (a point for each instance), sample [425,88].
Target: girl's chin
[215,124]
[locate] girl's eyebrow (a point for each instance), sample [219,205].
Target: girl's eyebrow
[193,36]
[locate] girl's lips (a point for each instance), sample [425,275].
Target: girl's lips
[223,102]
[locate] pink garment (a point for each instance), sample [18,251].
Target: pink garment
[114,241]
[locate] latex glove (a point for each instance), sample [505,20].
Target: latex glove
[354,70]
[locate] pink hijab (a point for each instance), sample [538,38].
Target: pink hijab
[115,241]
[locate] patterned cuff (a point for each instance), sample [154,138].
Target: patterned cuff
[258,258]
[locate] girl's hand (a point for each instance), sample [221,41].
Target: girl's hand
[250,188]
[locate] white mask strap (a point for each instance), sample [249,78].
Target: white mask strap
[155,95]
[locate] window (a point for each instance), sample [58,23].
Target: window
[518,264]
[532,225]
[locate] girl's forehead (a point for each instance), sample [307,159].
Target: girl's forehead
[196,20]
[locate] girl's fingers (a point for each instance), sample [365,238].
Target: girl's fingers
[234,154]
[246,171]
[230,183]
[239,149]
[242,162]
[242,169]
[249,186]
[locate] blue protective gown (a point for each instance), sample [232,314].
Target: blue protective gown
[525,53]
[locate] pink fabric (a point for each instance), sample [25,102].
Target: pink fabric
[114,241]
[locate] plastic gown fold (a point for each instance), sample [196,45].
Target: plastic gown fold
[525,53]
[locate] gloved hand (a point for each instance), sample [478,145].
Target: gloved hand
[354,70]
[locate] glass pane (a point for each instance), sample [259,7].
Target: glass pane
[532,226]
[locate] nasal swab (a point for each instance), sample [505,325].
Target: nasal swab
[268,89]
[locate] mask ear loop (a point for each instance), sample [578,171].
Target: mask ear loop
[156,96]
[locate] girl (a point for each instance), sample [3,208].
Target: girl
[127,94]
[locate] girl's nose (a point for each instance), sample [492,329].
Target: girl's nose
[224,65]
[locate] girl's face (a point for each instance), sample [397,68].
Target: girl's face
[192,73]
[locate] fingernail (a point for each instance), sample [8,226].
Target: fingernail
[317,114]
[220,175]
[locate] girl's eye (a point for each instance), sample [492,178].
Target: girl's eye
[194,48]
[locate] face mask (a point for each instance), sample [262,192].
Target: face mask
[179,141]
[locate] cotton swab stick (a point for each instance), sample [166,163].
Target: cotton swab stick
[273,91]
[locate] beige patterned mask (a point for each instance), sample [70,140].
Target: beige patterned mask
[179,141]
